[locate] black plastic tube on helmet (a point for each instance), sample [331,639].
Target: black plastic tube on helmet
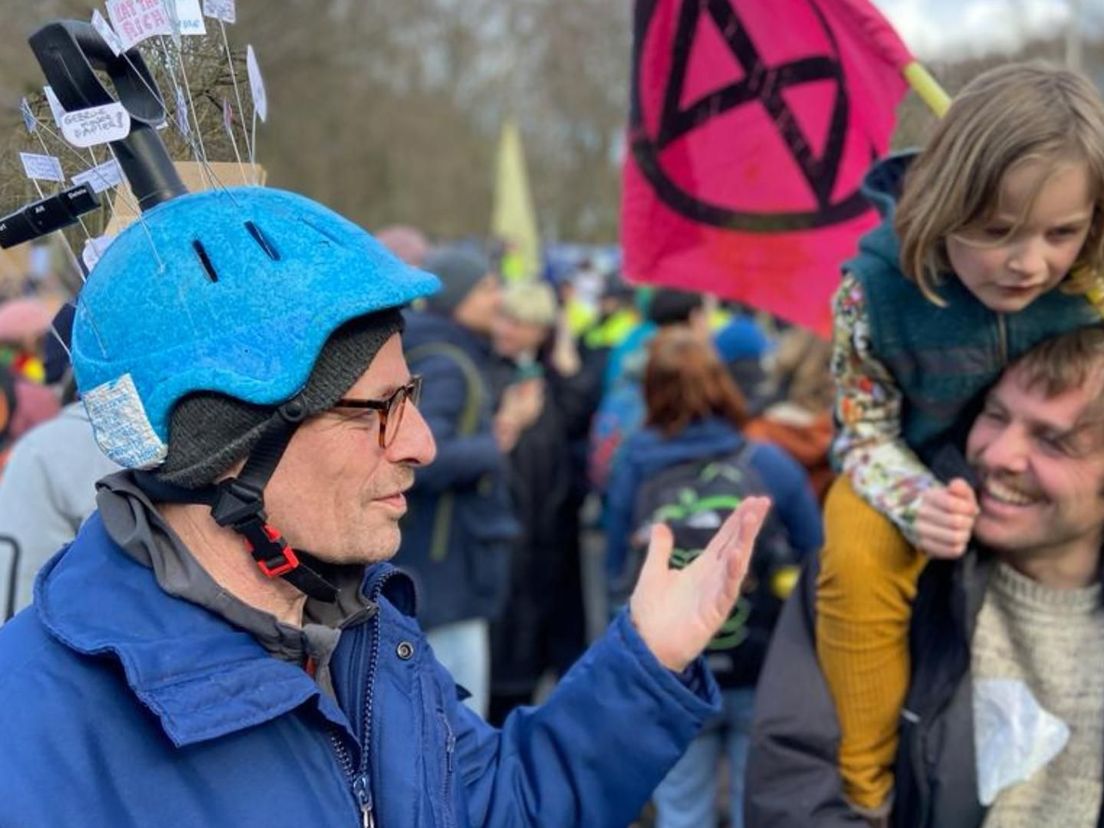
[70,52]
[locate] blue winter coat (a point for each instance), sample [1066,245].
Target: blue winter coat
[649,451]
[460,525]
[121,705]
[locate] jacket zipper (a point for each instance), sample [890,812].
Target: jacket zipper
[360,779]
[362,790]
[450,749]
[1002,335]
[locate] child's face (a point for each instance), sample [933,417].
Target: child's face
[1008,271]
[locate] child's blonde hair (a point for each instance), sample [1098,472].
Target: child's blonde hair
[1004,116]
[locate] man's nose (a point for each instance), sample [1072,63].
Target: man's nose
[414,444]
[1007,451]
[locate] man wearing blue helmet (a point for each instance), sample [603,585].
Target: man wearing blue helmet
[224,642]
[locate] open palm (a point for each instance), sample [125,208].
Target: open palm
[678,611]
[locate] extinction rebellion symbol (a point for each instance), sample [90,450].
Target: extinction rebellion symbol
[761,85]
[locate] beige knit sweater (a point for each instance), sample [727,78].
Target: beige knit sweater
[1053,641]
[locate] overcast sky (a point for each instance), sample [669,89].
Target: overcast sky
[948,29]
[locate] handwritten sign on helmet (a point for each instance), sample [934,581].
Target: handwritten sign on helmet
[96,125]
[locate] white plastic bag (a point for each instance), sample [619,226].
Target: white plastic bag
[1013,734]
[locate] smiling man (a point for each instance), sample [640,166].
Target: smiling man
[1037,448]
[224,642]
[1004,720]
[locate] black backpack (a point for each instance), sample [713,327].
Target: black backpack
[693,498]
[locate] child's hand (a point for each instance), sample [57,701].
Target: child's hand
[945,519]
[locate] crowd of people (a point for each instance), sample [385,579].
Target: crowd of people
[853,582]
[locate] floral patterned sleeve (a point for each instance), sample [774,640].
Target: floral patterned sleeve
[869,447]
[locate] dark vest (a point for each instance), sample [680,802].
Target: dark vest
[944,359]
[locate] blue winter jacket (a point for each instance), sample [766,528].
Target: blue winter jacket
[460,524]
[648,451]
[121,705]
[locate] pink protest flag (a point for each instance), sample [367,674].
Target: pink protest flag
[751,127]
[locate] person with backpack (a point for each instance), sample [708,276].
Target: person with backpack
[621,408]
[688,467]
[461,524]
[542,626]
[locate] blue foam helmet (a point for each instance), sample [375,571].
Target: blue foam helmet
[232,291]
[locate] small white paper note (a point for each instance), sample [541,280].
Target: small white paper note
[174,20]
[221,10]
[28,117]
[101,177]
[42,167]
[96,125]
[107,33]
[182,122]
[256,84]
[94,249]
[56,109]
[190,17]
[135,20]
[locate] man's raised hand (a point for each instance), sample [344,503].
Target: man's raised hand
[677,611]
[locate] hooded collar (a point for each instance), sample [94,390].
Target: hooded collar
[885,179]
[131,520]
[202,674]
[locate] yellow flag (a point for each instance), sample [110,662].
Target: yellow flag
[514,222]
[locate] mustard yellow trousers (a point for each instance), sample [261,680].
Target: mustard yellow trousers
[868,575]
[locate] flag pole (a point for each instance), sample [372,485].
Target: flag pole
[1073,36]
[927,87]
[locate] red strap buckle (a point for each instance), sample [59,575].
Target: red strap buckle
[279,564]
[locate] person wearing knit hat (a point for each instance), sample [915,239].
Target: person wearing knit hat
[461,524]
[464,272]
[225,641]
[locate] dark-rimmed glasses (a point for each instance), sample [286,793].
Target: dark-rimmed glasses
[390,410]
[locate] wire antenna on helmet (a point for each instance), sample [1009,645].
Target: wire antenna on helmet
[96,178]
[187,135]
[69,53]
[241,109]
[185,106]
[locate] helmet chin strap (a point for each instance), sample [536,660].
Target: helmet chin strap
[238,503]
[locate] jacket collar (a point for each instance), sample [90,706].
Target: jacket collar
[201,676]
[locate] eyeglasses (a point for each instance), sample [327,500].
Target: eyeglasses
[390,410]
